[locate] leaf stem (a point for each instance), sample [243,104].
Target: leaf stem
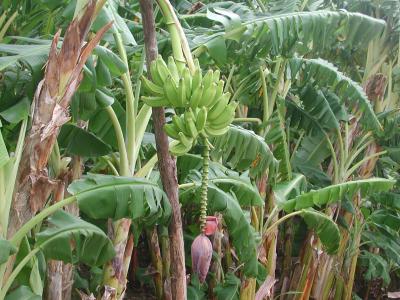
[19,235]
[123,156]
[365,159]
[130,105]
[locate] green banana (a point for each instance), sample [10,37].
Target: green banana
[162,68]
[187,80]
[216,132]
[190,125]
[178,122]
[150,87]
[218,93]
[208,79]
[208,95]
[216,75]
[171,91]
[201,118]
[154,74]
[225,118]
[195,99]
[155,101]
[187,141]
[179,149]
[197,78]
[182,93]
[173,68]
[172,131]
[219,107]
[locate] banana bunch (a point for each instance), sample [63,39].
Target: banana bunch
[185,128]
[207,109]
[175,86]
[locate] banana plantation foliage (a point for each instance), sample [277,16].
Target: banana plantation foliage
[199,149]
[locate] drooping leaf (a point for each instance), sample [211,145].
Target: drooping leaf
[335,193]
[276,136]
[388,199]
[242,149]
[245,192]
[324,227]
[312,151]
[7,249]
[121,197]
[17,112]
[300,32]
[324,74]
[289,189]
[388,244]
[109,13]
[73,240]
[78,141]
[112,61]
[377,267]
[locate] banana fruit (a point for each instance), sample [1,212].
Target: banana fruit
[207,110]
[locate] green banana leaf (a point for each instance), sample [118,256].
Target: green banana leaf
[242,149]
[6,250]
[106,196]
[245,192]
[23,293]
[324,74]
[335,193]
[326,229]
[286,34]
[78,141]
[73,240]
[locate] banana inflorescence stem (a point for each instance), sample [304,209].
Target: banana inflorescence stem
[204,184]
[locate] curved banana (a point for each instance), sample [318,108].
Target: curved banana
[172,131]
[196,97]
[190,124]
[150,87]
[197,78]
[219,107]
[187,141]
[216,76]
[225,118]
[171,91]
[208,95]
[187,80]
[216,132]
[208,80]
[155,101]
[154,74]
[218,93]
[173,69]
[162,69]
[178,122]
[179,149]
[182,93]
[201,118]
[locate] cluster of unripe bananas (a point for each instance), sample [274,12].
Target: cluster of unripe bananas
[207,109]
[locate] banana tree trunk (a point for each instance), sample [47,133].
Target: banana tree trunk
[54,287]
[50,111]
[167,166]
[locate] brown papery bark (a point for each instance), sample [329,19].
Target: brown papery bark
[49,112]
[167,165]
